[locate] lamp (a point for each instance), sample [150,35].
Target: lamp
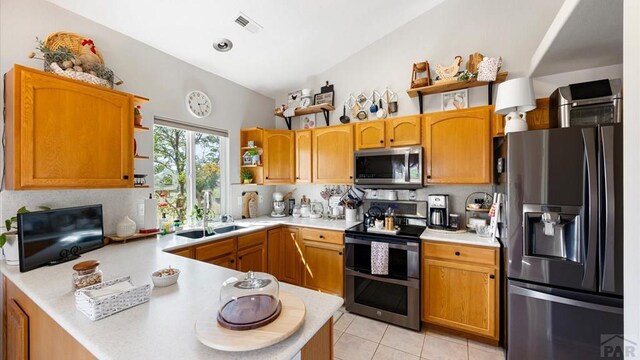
[515,97]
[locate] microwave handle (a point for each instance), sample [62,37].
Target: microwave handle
[406,167]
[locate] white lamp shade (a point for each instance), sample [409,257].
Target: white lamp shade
[515,95]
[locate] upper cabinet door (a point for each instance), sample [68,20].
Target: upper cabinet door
[303,156]
[403,131]
[370,135]
[458,146]
[278,157]
[333,154]
[65,134]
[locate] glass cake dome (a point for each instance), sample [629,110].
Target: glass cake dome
[249,303]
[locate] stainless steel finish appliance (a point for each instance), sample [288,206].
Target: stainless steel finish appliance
[564,241]
[394,298]
[438,210]
[587,104]
[390,168]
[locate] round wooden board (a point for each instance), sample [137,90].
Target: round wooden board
[213,335]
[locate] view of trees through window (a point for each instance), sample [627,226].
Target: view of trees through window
[185,164]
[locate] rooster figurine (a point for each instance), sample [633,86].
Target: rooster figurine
[88,55]
[449,72]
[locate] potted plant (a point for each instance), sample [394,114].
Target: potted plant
[247,176]
[251,157]
[10,237]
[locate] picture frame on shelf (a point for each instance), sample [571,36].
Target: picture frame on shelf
[293,99]
[323,98]
[455,100]
[308,121]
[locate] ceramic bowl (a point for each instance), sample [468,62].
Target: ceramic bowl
[164,280]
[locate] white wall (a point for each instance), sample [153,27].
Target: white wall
[147,72]
[545,85]
[455,27]
[631,172]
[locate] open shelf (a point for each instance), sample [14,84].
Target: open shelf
[141,157]
[249,147]
[250,166]
[312,109]
[140,128]
[456,85]
[140,186]
[137,99]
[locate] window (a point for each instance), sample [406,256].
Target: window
[187,161]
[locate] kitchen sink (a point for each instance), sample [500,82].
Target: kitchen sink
[226,229]
[195,234]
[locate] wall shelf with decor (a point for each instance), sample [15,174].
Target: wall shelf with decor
[141,157]
[312,109]
[456,85]
[140,128]
[251,139]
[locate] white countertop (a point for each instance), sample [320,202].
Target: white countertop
[163,328]
[469,238]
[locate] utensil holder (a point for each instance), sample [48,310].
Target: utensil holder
[351,215]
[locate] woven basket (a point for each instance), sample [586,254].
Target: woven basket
[69,40]
[81,76]
[96,309]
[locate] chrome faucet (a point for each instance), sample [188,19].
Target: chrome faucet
[206,205]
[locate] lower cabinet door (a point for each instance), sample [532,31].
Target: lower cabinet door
[17,332]
[292,259]
[228,261]
[275,252]
[252,259]
[460,296]
[323,267]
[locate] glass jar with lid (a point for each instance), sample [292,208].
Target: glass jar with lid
[249,303]
[86,274]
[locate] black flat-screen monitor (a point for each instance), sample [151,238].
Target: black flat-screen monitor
[54,236]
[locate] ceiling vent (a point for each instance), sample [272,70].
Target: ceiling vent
[247,23]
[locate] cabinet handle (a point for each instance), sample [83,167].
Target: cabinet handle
[232,261]
[457,253]
[321,236]
[350,177]
[267,178]
[428,176]
[492,276]
[340,253]
[125,177]
[381,141]
[391,140]
[240,258]
[298,177]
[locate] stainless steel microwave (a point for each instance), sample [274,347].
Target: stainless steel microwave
[587,104]
[390,168]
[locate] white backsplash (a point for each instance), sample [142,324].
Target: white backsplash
[264,207]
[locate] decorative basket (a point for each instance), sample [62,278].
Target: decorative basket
[96,309]
[73,42]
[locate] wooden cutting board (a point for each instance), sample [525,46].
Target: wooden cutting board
[211,334]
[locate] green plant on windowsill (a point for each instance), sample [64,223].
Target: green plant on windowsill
[247,176]
[12,222]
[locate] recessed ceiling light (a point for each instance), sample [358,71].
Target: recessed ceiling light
[223,45]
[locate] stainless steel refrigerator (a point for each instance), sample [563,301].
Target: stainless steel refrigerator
[564,242]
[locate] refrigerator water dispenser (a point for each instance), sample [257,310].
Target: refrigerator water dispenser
[552,234]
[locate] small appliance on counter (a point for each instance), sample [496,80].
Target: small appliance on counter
[438,211]
[278,205]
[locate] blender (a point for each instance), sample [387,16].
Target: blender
[278,205]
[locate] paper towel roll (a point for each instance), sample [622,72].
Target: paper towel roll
[150,214]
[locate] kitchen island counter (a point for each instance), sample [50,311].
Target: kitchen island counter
[163,328]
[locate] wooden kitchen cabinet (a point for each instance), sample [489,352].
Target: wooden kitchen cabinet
[370,135]
[252,252]
[31,334]
[218,252]
[323,264]
[278,157]
[65,134]
[303,156]
[188,252]
[332,156]
[402,131]
[275,253]
[458,146]
[461,294]
[537,119]
[292,256]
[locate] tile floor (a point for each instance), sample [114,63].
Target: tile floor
[360,338]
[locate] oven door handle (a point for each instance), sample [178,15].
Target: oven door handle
[408,247]
[411,282]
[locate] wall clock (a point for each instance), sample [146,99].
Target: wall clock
[198,104]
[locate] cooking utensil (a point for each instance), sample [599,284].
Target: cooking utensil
[344,118]
[374,107]
[381,113]
[362,115]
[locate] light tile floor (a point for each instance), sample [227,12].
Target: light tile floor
[361,338]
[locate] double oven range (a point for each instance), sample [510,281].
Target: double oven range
[393,298]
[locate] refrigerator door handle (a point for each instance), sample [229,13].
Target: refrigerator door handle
[589,278]
[562,300]
[608,261]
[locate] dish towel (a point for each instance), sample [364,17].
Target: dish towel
[379,258]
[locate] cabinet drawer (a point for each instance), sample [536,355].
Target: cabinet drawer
[183,252]
[459,252]
[256,238]
[328,236]
[215,249]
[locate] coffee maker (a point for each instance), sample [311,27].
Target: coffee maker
[438,211]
